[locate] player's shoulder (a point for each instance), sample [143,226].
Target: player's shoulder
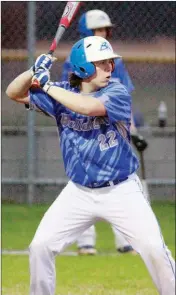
[117,87]
[66,86]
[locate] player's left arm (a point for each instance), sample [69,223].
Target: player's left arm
[89,106]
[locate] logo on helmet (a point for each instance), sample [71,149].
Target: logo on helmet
[105,46]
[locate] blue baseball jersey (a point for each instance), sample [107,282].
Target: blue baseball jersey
[120,73]
[95,149]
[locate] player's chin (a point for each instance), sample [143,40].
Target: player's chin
[104,83]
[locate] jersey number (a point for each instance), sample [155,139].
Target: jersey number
[107,140]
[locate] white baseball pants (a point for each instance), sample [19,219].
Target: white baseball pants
[77,208]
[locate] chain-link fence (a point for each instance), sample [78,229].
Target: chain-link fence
[133,20]
[144,34]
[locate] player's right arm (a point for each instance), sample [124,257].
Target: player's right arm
[18,89]
[21,90]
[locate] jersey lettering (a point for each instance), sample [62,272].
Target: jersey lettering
[81,124]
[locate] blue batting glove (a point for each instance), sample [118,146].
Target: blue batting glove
[41,77]
[44,61]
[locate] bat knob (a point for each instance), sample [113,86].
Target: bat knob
[50,52]
[35,83]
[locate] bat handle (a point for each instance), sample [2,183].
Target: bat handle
[50,52]
[52,47]
[35,83]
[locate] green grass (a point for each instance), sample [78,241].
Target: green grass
[122,275]
[99,275]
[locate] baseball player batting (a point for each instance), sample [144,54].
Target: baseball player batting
[93,119]
[97,22]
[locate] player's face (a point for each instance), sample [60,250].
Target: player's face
[103,72]
[102,32]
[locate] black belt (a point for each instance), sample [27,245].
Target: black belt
[106,184]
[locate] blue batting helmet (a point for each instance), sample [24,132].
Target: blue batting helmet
[88,50]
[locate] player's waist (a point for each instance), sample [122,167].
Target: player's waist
[107,183]
[113,182]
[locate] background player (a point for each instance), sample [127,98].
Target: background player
[97,22]
[93,120]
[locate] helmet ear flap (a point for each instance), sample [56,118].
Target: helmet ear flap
[92,69]
[84,71]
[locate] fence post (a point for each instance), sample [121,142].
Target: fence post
[31,114]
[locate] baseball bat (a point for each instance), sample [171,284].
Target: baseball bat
[143,176]
[70,11]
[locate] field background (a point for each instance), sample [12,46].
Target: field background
[108,273]
[144,34]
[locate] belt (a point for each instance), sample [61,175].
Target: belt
[106,184]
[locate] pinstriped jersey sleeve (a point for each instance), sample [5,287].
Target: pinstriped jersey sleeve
[118,103]
[41,100]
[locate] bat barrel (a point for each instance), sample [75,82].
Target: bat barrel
[71,9]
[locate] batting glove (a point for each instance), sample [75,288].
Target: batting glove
[41,77]
[44,61]
[139,142]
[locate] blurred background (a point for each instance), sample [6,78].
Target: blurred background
[144,34]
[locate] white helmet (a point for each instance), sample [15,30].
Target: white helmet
[93,19]
[98,19]
[88,50]
[98,48]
